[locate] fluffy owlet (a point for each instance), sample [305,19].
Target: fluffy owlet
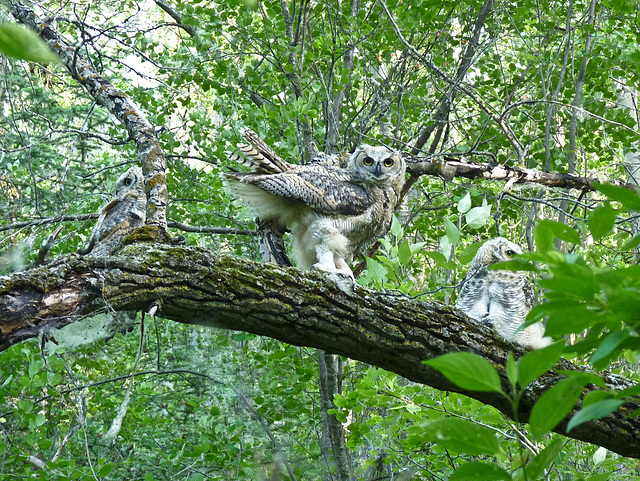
[501,299]
[120,216]
[331,211]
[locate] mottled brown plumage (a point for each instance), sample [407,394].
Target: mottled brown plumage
[331,211]
[120,216]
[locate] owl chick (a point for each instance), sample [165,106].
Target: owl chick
[331,211]
[120,216]
[501,299]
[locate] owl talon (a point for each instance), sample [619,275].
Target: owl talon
[343,278]
[344,272]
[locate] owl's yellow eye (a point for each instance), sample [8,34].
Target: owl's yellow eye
[127,181]
[367,161]
[510,253]
[388,162]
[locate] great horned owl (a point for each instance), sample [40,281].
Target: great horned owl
[331,211]
[120,216]
[499,298]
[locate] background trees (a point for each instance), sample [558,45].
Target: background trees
[521,85]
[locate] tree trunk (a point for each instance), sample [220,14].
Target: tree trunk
[196,286]
[332,432]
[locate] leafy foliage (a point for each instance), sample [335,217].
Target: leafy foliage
[204,404]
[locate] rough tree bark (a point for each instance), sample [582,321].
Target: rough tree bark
[196,286]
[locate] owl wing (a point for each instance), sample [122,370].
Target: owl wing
[120,214]
[332,191]
[258,156]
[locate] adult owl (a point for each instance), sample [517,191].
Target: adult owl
[120,216]
[331,211]
[499,298]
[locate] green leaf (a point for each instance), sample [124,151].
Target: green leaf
[438,257]
[631,243]
[546,231]
[404,253]
[468,371]
[417,247]
[573,279]
[555,404]
[535,363]
[34,368]
[378,271]
[594,411]
[465,204]
[564,317]
[601,221]
[106,469]
[453,234]
[627,197]
[459,435]
[469,253]
[396,228]
[599,456]
[543,460]
[445,246]
[478,216]
[607,349]
[480,472]
[19,42]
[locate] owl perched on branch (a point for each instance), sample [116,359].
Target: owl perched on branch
[331,211]
[498,298]
[120,216]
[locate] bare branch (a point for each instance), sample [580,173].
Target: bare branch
[448,167]
[48,220]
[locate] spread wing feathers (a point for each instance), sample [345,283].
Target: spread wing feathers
[258,156]
[325,190]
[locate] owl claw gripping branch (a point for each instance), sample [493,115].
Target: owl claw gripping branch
[332,211]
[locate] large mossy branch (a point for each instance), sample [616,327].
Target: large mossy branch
[196,286]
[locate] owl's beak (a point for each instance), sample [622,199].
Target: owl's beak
[378,170]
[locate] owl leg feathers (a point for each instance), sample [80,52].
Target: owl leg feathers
[329,262]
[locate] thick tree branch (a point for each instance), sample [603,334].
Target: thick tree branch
[196,286]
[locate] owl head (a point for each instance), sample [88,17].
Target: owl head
[130,180]
[377,164]
[495,250]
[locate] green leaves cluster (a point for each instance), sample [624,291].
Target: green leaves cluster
[242,68]
[396,257]
[472,372]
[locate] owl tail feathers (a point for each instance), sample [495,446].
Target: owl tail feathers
[258,156]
